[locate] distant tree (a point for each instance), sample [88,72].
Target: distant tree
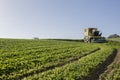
[114,36]
[36,38]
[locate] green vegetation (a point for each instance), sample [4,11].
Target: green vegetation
[114,39]
[19,58]
[80,70]
[51,59]
[113,72]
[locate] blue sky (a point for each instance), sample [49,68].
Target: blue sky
[57,18]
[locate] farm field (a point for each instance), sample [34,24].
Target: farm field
[113,70]
[115,39]
[27,59]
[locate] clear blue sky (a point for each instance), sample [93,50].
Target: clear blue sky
[57,18]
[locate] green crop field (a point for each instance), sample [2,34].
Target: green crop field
[114,39]
[27,59]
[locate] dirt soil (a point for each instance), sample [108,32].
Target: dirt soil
[117,58]
[94,75]
[116,61]
[109,68]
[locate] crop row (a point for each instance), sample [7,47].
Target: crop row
[113,70]
[113,74]
[17,63]
[83,69]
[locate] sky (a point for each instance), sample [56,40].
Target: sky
[58,18]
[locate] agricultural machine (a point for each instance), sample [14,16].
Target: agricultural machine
[93,35]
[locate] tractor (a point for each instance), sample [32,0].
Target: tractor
[93,35]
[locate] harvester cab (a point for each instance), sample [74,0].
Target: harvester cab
[93,35]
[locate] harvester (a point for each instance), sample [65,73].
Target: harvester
[93,35]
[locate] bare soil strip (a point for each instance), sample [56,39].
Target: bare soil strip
[109,68]
[117,58]
[58,65]
[94,75]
